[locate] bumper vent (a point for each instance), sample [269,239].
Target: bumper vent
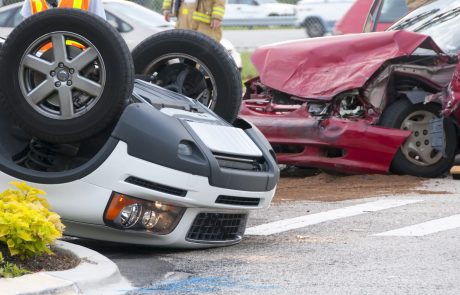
[241,163]
[217,228]
[156,187]
[238,201]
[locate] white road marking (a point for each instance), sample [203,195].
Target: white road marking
[425,228]
[306,220]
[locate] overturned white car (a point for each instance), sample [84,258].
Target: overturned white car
[122,159]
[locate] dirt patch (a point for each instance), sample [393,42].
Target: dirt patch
[60,260]
[327,187]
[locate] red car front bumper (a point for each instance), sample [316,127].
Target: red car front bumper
[348,146]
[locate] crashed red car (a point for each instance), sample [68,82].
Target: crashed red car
[364,103]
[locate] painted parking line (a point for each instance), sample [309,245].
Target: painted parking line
[425,228]
[306,220]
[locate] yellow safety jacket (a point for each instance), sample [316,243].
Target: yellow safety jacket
[198,15]
[41,5]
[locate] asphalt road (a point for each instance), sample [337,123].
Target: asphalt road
[247,40]
[335,249]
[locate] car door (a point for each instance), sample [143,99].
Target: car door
[232,9]
[250,9]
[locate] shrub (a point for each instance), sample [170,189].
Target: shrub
[11,270]
[27,227]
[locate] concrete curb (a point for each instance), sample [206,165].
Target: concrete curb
[94,272]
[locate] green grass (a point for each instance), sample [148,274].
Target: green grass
[248,70]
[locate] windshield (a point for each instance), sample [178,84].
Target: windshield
[136,12]
[393,10]
[440,19]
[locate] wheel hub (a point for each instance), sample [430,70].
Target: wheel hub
[185,74]
[63,75]
[417,148]
[47,76]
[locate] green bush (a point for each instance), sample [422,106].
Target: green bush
[27,227]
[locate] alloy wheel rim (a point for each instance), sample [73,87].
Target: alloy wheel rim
[61,82]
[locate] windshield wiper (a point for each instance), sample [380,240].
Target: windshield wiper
[412,20]
[440,18]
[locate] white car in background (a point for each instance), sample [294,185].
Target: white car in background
[134,22]
[238,9]
[319,16]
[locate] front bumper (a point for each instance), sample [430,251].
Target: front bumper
[81,203]
[343,145]
[200,197]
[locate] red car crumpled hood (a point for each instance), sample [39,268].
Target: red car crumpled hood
[323,67]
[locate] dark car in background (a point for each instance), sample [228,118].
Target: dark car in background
[364,103]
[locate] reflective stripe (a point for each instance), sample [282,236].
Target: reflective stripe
[77,4]
[38,6]
[204,18]
[218,9]
[218,12]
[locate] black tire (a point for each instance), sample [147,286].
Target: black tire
[111,73]
[223,85]
[314,28]
[395,115]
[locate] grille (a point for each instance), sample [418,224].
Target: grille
[229,200]
[217,227]
[155,186]
[240,163]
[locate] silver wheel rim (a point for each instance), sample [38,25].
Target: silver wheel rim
[207,97]
[417,148]
[62,82]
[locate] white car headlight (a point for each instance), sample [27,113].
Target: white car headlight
[126,212]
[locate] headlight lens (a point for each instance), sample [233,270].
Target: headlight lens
[127,212]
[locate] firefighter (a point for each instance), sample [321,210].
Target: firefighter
[35,6]
[204,16]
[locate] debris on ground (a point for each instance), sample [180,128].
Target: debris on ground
[328,187]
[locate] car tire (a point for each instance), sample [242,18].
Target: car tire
[178,58]
[314,28]
[416,157]
[76,95]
